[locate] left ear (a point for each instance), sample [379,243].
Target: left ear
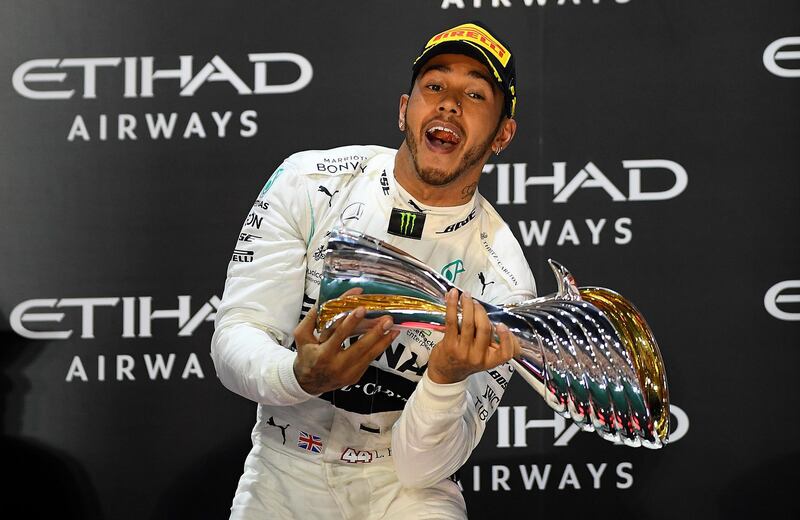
[504,134]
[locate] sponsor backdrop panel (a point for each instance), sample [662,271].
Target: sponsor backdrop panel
[657,155]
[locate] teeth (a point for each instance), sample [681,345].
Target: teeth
[442,128]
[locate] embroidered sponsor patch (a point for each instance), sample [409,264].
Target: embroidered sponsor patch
[274,177]
[406,223]
[452,270]
[352,212]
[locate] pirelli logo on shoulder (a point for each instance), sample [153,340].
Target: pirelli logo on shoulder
[475,34]
[406,223]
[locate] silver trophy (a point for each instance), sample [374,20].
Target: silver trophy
[587,351]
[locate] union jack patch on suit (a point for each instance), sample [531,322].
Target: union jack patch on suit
[310,442]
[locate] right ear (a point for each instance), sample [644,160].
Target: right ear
[401,113]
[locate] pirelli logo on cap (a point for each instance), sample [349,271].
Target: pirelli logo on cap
[406,223]
[472,33]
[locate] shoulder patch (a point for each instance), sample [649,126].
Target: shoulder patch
[272,178]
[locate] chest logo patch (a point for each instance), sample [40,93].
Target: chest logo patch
[452,270]
[406,223]
[353,212]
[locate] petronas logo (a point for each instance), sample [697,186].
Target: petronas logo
[452,270]
[406,223]
[271,181]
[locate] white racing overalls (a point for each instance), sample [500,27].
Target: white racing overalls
[386,446]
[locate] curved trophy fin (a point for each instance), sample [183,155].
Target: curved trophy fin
[567,287]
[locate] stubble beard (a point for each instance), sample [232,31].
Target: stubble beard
[437,177]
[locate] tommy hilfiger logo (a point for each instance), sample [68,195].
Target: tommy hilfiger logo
[406,223]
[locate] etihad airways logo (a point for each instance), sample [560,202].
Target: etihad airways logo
[648,180]
[406,223]
[518,424]
[786,293]
[138,77]
[35,319]
[43,78]
[783,50]
[513,188]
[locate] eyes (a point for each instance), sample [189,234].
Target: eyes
[469,92]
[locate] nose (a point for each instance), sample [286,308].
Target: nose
[450,104]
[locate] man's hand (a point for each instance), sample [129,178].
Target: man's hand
[325,366]
[472,350]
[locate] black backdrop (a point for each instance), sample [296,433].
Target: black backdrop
[657,154]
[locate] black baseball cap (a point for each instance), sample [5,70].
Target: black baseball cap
[475,40]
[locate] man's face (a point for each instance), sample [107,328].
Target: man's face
[451,117]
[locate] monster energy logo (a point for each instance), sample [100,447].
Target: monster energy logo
[406,223]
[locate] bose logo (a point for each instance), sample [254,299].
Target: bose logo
[774,52]
[774,297]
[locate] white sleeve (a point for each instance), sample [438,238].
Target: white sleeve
[263,295]
[442,423]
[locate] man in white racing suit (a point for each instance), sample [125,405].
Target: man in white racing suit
[377,430]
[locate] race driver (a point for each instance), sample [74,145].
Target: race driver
[378,429]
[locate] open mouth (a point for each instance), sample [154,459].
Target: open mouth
[442,139]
